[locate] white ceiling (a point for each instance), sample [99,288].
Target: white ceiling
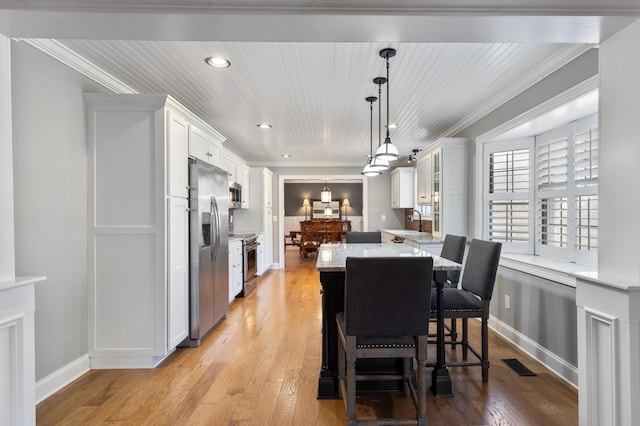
[306,67]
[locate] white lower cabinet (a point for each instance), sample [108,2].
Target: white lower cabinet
[178,270]
[235,269]
[260,259]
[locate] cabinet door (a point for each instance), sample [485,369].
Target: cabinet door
[424,180]
[395,190]
[267,188]
[178,135]
[215,153]
[198,144]
[243,180]
[235,269]
[436,188]
[268,236]
[230,166]
[260,255]
[178,312]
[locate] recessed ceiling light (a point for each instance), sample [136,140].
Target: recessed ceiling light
[218,62]
[286,156]
[264,125]
[393,125]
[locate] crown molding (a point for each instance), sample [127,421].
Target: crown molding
[68,57]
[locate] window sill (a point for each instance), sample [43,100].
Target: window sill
[550,269]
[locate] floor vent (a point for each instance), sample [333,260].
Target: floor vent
[518,367]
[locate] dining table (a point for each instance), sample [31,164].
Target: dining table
[331,264]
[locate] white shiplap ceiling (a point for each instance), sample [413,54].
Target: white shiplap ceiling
[310,85]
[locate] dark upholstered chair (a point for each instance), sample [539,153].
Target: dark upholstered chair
[473,298]
[385,316]
[452,249]
[364,237]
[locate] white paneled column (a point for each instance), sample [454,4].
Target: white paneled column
[7,249]
[608,317]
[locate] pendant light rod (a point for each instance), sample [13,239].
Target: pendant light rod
[380,81]
[387,151]
[371,100]
[368,170]
[377,162]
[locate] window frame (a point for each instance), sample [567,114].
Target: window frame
[502,146]
[534,246]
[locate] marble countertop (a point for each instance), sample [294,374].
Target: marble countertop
[333,257]
[418,237]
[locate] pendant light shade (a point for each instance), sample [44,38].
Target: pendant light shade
[325,194]
[387,151]
[369,169]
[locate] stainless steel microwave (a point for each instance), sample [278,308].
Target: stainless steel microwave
[235,195]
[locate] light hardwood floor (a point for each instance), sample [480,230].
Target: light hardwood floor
[260,367]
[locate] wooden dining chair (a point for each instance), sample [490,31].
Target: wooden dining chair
[309,240]
[364,237]
[472,300]
[385,316]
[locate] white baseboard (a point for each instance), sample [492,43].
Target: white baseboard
[59,379]
[557,365]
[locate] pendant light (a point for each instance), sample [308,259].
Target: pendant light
[387,150]
[378,163]
[325,194]
[368,170]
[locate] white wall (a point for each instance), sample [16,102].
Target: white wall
[7,254]
[50,182]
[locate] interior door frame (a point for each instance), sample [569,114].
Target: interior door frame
[319,178]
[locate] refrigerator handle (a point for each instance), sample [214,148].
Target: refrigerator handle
[216,216]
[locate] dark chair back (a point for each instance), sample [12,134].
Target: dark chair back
[453,249]
[480,268]
[387,296]
[364,237]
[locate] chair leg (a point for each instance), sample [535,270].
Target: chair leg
[465,338]
[351,380]
[485,348]
[406,375]
[341,372]
[421,404]
[454,333]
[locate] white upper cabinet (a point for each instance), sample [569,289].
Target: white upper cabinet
[243,180]
[267,188]
[178,135]
[205,146]
[402,188]
[442,183]
[424,179]
[231,166]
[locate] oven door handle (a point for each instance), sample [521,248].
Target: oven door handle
[251,247]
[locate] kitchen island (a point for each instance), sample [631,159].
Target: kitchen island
[420,240]
[331,264]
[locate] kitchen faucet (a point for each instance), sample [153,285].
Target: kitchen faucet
[420,220]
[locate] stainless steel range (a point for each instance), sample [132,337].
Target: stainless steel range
[249,261]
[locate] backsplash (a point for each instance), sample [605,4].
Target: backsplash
[413,225]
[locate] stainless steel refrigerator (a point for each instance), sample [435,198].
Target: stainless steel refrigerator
[208,248]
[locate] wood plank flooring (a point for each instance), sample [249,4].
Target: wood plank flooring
[260,367]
